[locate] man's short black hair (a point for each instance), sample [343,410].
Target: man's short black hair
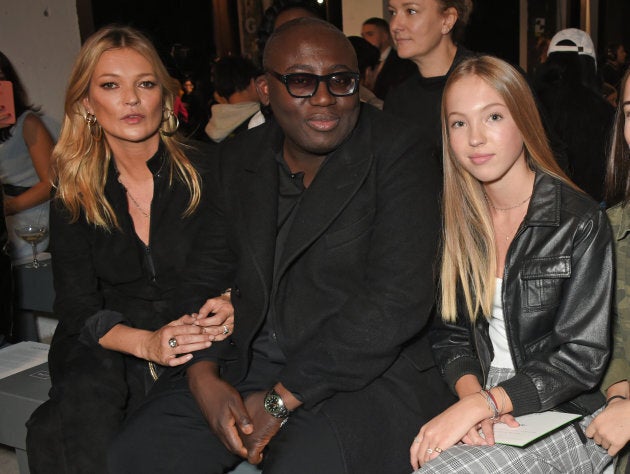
[368,55]
[232,74]
[382,24]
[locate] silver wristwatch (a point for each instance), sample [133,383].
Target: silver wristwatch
[274,405]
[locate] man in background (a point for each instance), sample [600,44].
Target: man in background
[392,70]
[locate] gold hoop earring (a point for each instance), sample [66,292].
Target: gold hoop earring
[170,123]
[95,129]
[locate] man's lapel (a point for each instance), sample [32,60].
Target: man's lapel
[336,183]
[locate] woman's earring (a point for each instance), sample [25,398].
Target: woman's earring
[170,123]
[95,128]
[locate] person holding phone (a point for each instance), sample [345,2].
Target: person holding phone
[26,144]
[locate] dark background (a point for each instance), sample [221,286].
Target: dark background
[493,27]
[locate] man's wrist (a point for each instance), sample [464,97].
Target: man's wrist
[290,400]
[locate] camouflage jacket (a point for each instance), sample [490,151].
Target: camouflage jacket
[619,368]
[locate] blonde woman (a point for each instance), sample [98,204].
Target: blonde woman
[127,207]
[526,285]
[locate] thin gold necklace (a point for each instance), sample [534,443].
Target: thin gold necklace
[506,208]
[133,200]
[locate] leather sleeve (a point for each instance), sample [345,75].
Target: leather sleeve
[572,358]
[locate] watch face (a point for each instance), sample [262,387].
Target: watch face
[275,406]
[271,404]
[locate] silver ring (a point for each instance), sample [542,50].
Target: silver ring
[172,342]
[416,440]
[226,330]
[429,451]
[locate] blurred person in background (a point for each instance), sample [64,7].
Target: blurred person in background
[427,33]
[368,58]
[571,101]
[237,102]
[391,69]
[26,143]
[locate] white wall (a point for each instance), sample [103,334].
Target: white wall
[41,39]
[355,12]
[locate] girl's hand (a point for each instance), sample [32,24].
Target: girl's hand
[460,422]
[486,437]
[447,429]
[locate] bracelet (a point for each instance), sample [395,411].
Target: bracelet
[615,396]
[489,398]
[494,400]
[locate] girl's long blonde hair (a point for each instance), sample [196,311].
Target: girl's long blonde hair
[469,255]
[80,162]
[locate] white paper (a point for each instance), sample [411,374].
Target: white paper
[22,356]
[532,427]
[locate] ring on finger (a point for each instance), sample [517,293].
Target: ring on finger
[226,330]
[172,342]
[416,440]
[429,451]
[438,450]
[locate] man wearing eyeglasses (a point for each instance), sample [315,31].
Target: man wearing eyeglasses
[324,222]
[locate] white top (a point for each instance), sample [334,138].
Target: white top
[16,168]
[502,356]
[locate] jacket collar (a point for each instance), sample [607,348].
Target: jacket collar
[624,223]
[114,192]
[342,174]
[544,207]
[156,163]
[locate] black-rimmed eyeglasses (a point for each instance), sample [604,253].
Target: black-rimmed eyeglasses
[302,85]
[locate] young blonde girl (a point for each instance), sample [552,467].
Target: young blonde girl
[526,285]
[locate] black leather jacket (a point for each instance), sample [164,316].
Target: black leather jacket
[557,297]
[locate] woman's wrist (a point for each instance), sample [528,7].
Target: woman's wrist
[475,405]
[496,401]
[491,403]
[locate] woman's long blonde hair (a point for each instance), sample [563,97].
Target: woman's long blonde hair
[469,255]
[80,162]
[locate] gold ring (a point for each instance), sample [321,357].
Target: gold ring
[437,450]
